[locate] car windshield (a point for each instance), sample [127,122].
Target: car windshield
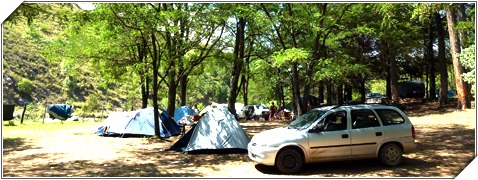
[304,121]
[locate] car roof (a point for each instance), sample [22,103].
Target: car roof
[357,106]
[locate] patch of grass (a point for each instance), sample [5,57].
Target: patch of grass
[38,128]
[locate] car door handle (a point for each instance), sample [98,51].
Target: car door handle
[378,134]
[344,136]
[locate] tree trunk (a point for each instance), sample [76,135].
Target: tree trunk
[144,95]
[155,85]
[238,64]
[340,94]
[245,75]
[348,93]
[393,74]
[282,96]
[280,90]
[431,60]
[457,67]
[442,64]
[296,89]
[148,80]
[362,91]
[427,78]
[394,79]
[321,92]
[461,16]
[245,88]
[388,86]
[330,94]
[307,84]
[183,83]
[172,88]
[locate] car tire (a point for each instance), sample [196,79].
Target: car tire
[289,161]
[391,155]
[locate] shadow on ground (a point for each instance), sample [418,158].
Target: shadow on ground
[418,109]
[15,144]
[443,151]
[83,168]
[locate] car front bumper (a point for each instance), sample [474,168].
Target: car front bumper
[262,155]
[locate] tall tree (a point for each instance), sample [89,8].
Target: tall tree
[455,46]
[239,46]
[442,63]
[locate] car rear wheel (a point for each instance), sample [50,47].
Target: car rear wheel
[289,161]
[391,155]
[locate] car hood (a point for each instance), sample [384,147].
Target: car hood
[277,136]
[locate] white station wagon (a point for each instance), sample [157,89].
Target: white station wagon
[336,133]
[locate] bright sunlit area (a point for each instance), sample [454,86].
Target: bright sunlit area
[86,5]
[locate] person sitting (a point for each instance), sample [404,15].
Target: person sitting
[330,124]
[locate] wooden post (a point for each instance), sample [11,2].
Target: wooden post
[44,113]
[23,114]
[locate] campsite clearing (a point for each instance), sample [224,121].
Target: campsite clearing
[446,145]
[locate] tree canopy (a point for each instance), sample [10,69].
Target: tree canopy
[133,55]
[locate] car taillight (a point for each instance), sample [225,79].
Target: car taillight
[413,132]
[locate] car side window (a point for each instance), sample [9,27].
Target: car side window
[336,121]
[390,117]
[363,119]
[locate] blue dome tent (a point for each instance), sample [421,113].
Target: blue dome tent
[138,123]
[182,111]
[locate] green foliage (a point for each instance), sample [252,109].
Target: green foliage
[379,86]
[91,57]
[290,55]
[468,60]
[340,70]
[26,86]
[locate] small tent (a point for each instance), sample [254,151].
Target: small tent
[411,89]
[216,132]
[60,111]
[138,123]
[8,112]
[183,111]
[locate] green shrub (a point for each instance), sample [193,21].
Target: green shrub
[26,86]
[467,58]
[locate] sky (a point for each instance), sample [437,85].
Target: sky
[86,5]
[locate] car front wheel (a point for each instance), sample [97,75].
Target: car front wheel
[391,155]
[289,161]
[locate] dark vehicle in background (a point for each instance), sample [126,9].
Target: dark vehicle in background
[411,89]
[373,95]
[385,101]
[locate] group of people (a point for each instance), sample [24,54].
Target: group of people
[277,114]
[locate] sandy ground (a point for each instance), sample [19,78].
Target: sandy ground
[446,145]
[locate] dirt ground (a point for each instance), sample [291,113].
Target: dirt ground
[446,146]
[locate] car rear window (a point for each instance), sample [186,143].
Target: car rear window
[390,117]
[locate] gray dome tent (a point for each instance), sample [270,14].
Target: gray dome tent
[217,131]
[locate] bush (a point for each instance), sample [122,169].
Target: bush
[467,58]
[26,86]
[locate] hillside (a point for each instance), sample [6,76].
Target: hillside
[26,57]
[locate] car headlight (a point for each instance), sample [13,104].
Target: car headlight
[259,145]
